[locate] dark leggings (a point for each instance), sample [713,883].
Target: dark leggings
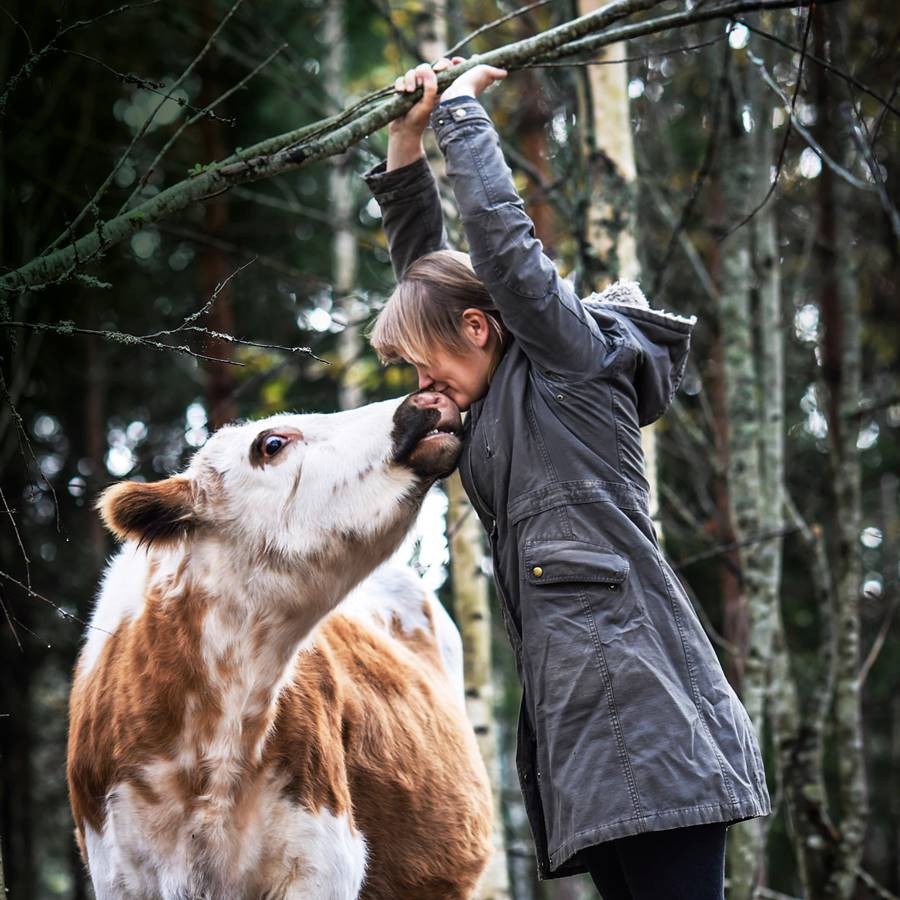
[678,864]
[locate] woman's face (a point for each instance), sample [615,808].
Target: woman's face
[463,377]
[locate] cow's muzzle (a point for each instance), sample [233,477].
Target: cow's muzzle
[426,434]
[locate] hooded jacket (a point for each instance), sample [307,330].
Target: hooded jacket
[627,723]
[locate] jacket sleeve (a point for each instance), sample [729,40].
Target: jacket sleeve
[539,308]
[410,211]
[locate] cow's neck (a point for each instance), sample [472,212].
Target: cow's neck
[240,622]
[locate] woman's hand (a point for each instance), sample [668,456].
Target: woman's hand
[473,82]
[405,133]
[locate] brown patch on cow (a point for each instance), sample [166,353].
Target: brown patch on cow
[131,709]
[160,512]
[422,641]
[293,491]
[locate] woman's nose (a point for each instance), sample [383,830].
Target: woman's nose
[425,380]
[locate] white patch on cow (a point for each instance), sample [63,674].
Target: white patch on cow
[333,853]
[120,598]
[285,851]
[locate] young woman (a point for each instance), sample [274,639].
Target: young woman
[634,754]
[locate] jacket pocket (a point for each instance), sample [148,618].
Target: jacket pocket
[551,561]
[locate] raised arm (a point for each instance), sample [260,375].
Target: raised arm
[537,305]
[404,185]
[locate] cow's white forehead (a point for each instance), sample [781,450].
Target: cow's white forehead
[356,430]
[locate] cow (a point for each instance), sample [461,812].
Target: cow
[254,714]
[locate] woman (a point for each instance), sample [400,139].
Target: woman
[634,754]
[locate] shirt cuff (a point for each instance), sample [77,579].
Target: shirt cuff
[399,183]
[449,115]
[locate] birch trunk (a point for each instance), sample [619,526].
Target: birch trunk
[473,616]
[753,374]
[611,219]
[344,255]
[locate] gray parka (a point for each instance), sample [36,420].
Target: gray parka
[627,722]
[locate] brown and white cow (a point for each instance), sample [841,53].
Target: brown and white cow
[236,730]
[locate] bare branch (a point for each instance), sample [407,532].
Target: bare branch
[835,166]
[203,113]
[886,102]
[28,67]
[332,136]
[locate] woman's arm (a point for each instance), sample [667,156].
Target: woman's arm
[404,186]
[539,308]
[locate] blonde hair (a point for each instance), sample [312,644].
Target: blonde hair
[426,307]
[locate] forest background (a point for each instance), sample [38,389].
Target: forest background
[743,167]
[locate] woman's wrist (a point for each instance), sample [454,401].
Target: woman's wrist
[403,149]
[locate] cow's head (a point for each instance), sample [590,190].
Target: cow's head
[295,489]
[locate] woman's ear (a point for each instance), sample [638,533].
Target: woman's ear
[158,512]
[476,327]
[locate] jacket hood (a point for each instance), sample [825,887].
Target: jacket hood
[660,339]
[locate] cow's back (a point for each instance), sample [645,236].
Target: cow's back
[376,714]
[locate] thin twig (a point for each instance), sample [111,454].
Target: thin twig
[735,545]
[15,528]
[625,59]
[29,65]
[835,166]
[25,443]
[880,638]
[203,113]
[92,204]
[495,24]
[887,102]
[152,87]
[699,179]
[63,612]
[398,34]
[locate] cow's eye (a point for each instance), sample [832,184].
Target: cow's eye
[273,444]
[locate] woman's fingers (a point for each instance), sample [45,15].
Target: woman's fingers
[410,80]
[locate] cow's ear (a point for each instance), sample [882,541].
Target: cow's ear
[149,513]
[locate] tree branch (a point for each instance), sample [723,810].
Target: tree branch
[329,137]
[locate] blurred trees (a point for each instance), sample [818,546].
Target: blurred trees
[793,593]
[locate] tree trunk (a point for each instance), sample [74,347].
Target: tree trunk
[611,243]
[754,401]
[841,370]
[473,616]
[344,256]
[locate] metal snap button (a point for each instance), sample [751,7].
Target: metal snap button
[460,113]
[612,586]
[537,571]
[560,397]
